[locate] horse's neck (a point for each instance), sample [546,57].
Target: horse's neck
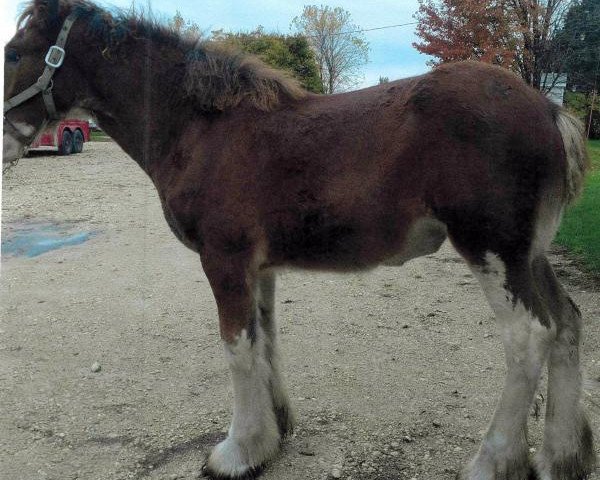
[133,100]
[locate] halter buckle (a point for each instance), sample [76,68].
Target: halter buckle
[55,56]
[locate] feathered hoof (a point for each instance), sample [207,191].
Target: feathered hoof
[251,474]
[509,469]
[234,459]
[575,467]
[573,459]
[530,475]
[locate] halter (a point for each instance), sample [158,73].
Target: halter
[54,59]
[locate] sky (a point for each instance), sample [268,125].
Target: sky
[391,52]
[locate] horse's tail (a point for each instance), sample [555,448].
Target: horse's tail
[572,132]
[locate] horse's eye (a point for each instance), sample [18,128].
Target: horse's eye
[11,56]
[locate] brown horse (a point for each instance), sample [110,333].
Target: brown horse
[254,173]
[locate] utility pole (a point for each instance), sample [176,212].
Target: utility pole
[594,94]
[589,129]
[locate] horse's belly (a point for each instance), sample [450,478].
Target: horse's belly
[323,242]
[424,237]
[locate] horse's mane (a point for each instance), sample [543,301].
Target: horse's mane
[217,77]
[221,77]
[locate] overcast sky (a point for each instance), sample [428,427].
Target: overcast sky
[391,51]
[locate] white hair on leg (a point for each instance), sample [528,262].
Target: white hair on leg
[504,451]
[568,451]
[253,435]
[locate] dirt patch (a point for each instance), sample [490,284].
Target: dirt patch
[394,373]
[570,268]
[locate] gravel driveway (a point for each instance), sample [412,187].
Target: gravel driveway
[111,365]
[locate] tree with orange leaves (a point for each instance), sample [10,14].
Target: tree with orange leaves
[515,34]
[454,30]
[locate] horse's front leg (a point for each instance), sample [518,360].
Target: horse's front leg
[261,415]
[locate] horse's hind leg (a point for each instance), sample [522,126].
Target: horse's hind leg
[527,336]
[260,413]
[568,452]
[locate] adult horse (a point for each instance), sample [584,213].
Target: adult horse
[254,173]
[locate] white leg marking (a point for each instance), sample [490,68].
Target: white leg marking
[526,344]
[563,429]
[568,450]
[253,435]
[568,445]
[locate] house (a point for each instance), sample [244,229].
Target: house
[554,84]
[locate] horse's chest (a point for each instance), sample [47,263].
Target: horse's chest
[183,219]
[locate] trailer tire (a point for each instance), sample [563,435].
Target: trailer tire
[77,141]
[66,143]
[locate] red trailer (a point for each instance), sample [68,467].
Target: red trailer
[68,136]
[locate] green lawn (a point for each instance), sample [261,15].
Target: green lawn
[99,137]
[580,229]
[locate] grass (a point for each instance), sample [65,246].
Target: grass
[99,137]
[580,229]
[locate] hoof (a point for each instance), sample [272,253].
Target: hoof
[488,468]
[574,467]
[250,474]
[233,460]
[530,475]
[576,461]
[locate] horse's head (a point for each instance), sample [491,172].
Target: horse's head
[38,76]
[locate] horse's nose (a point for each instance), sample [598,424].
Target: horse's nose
[12,149]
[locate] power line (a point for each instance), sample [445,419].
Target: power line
[366,29]
[576,24]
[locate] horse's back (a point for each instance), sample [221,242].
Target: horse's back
[469,144]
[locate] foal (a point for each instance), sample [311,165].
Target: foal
[254,173]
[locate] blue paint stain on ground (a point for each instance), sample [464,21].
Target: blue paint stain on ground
[30,239]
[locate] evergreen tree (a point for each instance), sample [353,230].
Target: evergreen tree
[580,40]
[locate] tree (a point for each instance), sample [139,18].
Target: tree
[537,23]
[383,80]
[516,34]
[286,52]
[184,27]
[454,30]
[580,103]
[579,38]
[340,48]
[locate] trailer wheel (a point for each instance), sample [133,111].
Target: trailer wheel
[66,144]
[77,141]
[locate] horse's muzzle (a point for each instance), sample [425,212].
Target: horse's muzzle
[12,147]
